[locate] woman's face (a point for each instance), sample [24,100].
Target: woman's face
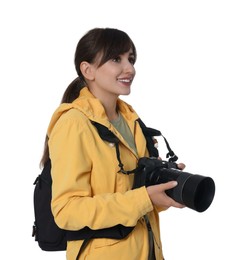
[114,77]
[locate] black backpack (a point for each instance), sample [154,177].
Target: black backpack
[48,235]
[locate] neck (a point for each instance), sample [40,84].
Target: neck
[111,110]
[109,103]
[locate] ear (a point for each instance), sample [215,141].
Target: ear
[87,70]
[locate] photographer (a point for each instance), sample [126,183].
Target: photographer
[89,190]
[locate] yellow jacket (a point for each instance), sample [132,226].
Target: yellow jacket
[87,189]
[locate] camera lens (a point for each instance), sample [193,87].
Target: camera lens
[193,191]
[198,192]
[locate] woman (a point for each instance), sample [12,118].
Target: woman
[88,189]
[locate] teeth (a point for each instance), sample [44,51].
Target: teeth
[125,80]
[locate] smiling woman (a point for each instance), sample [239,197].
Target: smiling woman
[86,176]
[189,59]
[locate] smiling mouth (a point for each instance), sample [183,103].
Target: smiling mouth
[126,80]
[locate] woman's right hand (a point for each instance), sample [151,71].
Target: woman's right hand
[159,197]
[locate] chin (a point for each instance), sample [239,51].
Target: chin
[125,92]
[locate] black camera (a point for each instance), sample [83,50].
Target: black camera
[193,191]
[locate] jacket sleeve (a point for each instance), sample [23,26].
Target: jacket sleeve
[73,204]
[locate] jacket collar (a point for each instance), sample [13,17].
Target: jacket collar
[93,109]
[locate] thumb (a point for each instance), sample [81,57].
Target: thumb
[169,185]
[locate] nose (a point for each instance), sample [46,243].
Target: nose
[128,67]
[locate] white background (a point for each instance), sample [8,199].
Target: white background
[189,71]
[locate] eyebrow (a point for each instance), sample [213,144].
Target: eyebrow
[131,53]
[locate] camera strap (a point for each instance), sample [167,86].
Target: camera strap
[149,134]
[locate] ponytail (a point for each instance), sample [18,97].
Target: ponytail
[71,93]
[73,90]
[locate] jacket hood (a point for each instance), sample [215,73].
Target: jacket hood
[92,108]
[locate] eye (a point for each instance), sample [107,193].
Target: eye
[132,60]
[116,59]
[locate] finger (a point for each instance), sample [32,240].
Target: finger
[177,205]
[170,185]
[181,166]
